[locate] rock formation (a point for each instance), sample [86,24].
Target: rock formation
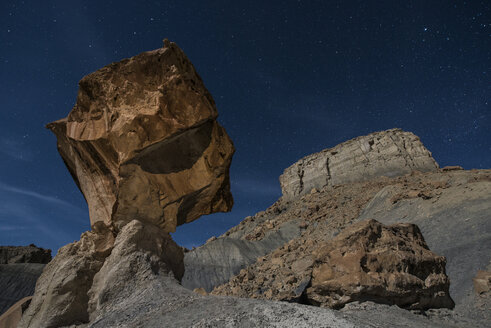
[387,264]
[482,282]
[145,149]
[387,153]
[142,142]
[451,207]
[24,254]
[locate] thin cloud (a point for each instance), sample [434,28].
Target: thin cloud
[15,149]
[30,193]
[257,187]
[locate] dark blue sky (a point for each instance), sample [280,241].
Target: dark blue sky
[289,78]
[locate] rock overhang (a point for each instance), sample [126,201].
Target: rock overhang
[142,142]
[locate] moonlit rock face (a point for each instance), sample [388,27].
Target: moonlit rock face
[142,142]
[387,153]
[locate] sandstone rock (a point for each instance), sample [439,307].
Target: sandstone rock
[200,291]
[142,142]
[142,253]
[61,291]
[369,261]
[482,282]
[452,168]
[24,254]
[455,223]
[387,153]
[11,318]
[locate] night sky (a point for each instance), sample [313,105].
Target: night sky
[289,78]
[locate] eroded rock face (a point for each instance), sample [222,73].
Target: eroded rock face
[24,254]
[61,290]
[386,264]
[141,255]
[387,153]
[142,142]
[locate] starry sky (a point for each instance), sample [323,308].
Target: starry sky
[289,78]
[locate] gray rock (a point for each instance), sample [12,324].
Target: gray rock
[388,153]
[216,262]
[17,281]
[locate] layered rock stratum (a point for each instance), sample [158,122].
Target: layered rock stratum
[387,153]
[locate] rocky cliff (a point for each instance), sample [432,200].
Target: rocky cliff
[387,153]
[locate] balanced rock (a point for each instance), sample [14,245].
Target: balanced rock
[388,153]
[386,264]
[142,142]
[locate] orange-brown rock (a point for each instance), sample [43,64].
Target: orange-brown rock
[482,282]
[11,318]
[387,264]
[142,142]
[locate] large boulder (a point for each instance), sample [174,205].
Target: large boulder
[386,264]
[388,153]
[142,142]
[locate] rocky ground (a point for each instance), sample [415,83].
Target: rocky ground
[451,207]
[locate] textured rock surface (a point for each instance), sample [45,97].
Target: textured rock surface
[141,254]
[387,153]
[482,282]
[17,281]
[452,209]
[61,297]
[142,142]
[216,262]
[24,254]
[11,318]
[368,261]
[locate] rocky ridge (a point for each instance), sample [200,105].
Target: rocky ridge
[387,153]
